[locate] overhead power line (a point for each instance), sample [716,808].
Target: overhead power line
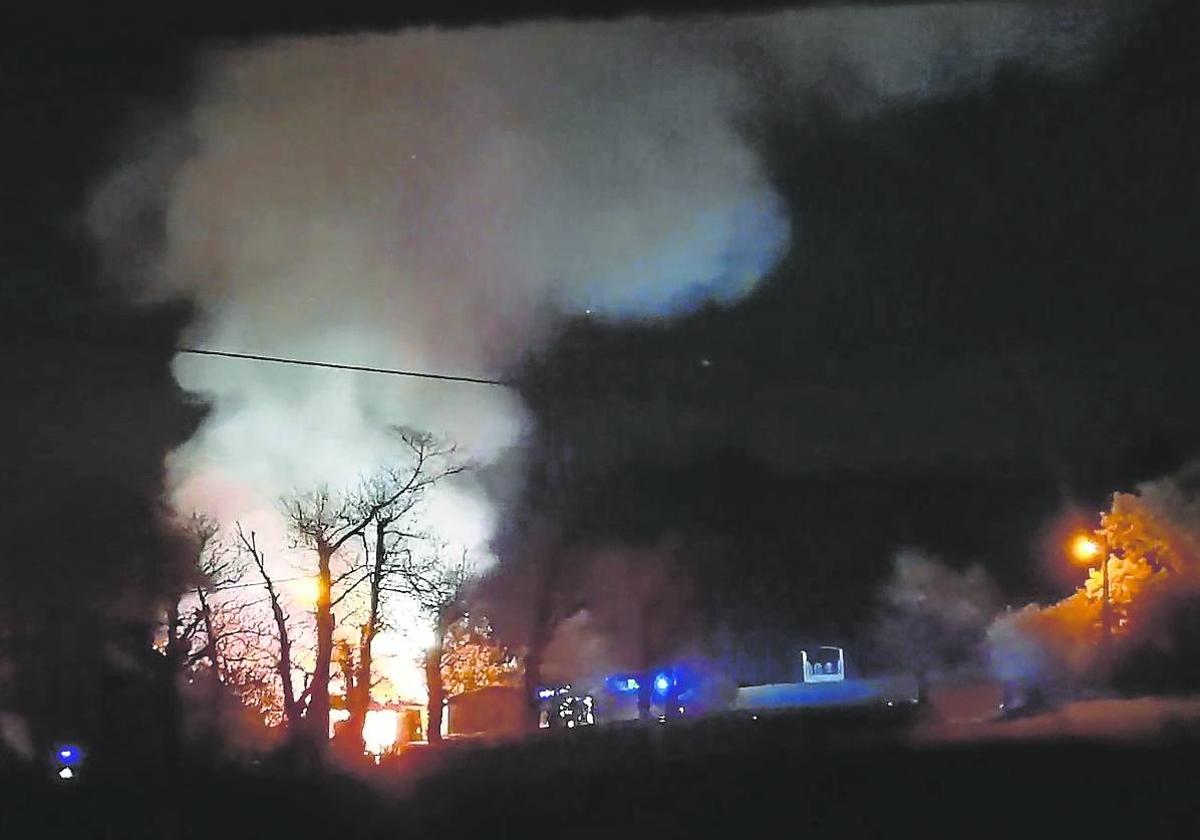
[415,374]
[251,583]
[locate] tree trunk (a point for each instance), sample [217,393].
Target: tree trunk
[434,684]
[283,667]
[359,693]
[175,659]
[210,636]
[291,711]
[317,714]
[174,646]
[532,682]
[645,694]
[545,615]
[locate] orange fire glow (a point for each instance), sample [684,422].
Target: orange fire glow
[380,730]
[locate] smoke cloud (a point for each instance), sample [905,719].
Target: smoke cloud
[637,612]
[443,200]
[934,617]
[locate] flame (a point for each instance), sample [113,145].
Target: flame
[380,730]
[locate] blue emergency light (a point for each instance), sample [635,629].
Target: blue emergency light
[663,683]
[623,684]
[69,755]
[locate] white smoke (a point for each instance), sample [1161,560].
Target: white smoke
[441,201]
[934,617]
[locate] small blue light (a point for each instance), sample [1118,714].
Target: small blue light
[622,684]
[69,755]
[662,683]
[545,692]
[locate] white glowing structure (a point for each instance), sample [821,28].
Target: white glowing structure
[828,664]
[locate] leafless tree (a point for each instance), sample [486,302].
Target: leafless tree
[293,707]
[439,590]
[201,533]
[190,633]
[326,523]
[387,557]
[215,645]
[218,566]
[245,642]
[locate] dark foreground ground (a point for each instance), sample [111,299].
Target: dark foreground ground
[827,777]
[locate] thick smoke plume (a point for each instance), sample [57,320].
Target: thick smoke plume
[440,201]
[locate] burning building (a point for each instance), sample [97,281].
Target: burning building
[388,727]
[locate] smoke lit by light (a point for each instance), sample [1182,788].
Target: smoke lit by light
[446,200]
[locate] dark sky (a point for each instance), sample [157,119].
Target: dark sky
[987,318]
[985,322]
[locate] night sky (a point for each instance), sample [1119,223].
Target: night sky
[985,320]
[987,324]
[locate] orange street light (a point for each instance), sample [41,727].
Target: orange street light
[308,590]
[1085,549]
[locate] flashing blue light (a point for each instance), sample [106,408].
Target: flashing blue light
[69,755]
[545,693]
[622,684]
[662,683]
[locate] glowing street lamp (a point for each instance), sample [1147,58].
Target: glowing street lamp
[1085,548]
[308,590]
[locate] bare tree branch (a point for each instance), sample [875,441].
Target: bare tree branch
[291,709]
